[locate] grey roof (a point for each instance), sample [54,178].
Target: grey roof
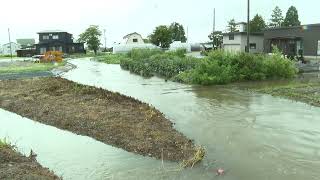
[9,43]
[292,27]
[26,42]
[52,31]
[240,23]
[244,33]
[126,36]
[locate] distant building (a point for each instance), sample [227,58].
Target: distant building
[291,40]
[180,45]
[133,38]
[57,40]
[26,43]
[241,27]
[237,42]
[6,49]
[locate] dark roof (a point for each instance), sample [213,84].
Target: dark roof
[126,36]
[52,31]
[245,33]
[292,27]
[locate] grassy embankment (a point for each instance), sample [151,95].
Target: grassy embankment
[23,67]
[13,165]
[218,67]
[304,92]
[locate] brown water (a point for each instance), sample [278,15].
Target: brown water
[252,136]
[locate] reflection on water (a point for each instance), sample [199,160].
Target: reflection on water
[252,136]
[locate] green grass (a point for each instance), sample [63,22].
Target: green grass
[110,58]
[4,143]
[32,67]
[6,57]
[303,92]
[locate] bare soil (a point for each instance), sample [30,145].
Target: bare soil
[15,166]
[109,117]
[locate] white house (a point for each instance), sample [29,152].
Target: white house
[241,26]
[133,38]
[237,42]
[6,48]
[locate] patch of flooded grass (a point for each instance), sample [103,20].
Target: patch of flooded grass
[28,67]
[304,92]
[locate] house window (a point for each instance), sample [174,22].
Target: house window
[253,46]
[231,36]
[55,37]
[43,50]
[135,40]
[45,37]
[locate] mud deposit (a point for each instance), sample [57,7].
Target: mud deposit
[15,166]
[109,117]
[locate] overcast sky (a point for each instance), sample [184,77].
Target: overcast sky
[119,17]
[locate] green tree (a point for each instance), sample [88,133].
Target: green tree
[232,25]
[276,17]
[217,39]
[292,17]
[257,24]
[91,37]
[177,32]
[161,36]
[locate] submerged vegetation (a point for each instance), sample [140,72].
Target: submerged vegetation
[219,67]
[21,67]
[303,92]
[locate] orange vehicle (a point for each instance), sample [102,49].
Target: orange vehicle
[52,56]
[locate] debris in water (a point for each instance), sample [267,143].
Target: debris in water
[220,172]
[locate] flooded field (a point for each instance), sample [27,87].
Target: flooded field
[252,136]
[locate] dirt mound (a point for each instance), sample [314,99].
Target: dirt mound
[109,117]
[15,166]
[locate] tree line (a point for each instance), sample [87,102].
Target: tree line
[257,24]
[164,35]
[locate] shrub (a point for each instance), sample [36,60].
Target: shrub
[219,67]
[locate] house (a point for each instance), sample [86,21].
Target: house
[7,49]
[57,40]
[237,42]
[291,40]
[26,43]
[133,38]
[241,26]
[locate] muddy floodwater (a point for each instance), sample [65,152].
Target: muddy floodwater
[251,136]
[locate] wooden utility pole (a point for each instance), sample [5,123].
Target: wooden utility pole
[10,43]
[248,29]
